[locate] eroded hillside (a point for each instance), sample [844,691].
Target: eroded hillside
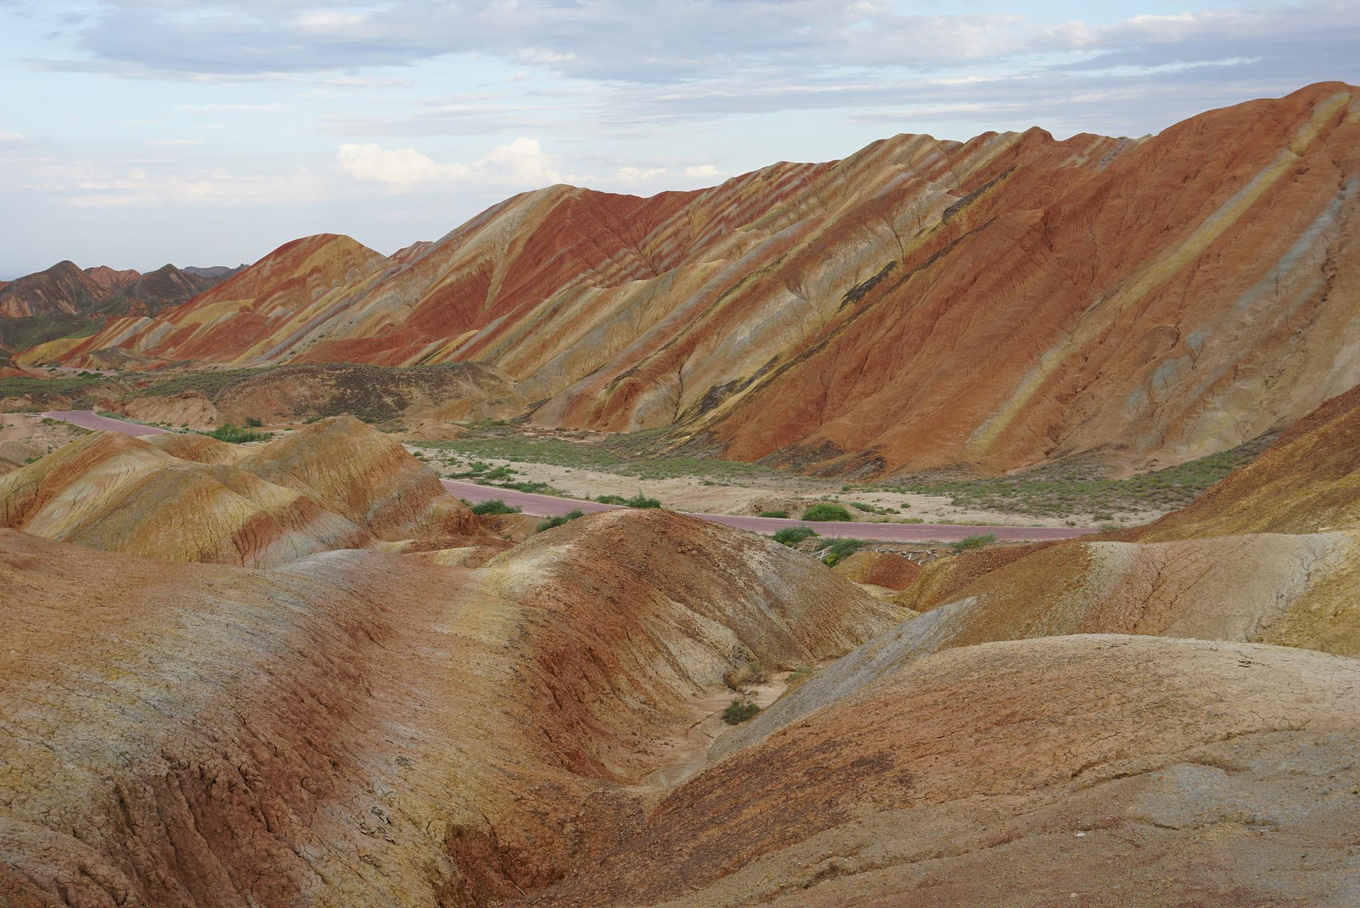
[990,304]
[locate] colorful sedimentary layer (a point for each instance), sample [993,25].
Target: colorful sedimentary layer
[989,304]
[365,728]
[1271,554]
[335,484]
[1105,770]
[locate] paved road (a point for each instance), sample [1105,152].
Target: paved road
[88,419]
[551,506]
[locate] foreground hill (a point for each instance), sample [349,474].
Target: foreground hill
[992,304]
[335,484]
[364,728]
[1099,770]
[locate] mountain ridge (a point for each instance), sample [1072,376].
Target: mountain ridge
[920,305]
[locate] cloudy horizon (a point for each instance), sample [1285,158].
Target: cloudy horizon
[201,132]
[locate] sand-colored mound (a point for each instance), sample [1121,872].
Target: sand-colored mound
[880,569]
[921,304]
[189,408]
[1098,770]
[363,728]
[336,484]
[364,475]
[121,494]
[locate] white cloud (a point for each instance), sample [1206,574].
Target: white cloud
[174,143]
[521,163]
[702,170]
[638,174]
[138,188]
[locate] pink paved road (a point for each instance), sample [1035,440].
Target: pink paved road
[88,419]
[551,506]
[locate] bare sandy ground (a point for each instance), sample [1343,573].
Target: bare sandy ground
[25,435]
[751,497]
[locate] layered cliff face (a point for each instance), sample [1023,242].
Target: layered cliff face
[990,304]
[1271,554]
[336,484]
[366,728]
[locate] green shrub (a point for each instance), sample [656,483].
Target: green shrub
[637,501]
[781,515]
[552,522]
[973,542]
[791,536]
[493,506]
[253,422]
[236,435]
[825,511]
[841,548]
[739,710]
[642,501]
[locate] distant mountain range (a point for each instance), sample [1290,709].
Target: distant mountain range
[67,289]
[921,305]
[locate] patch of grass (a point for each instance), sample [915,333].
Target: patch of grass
[236,435]
[778,515]
[841,549]
[493,506]
[638,454]
[1062,489]
[637,501]
[973,542]
[26,331]
[739,711]
[558,521]
[791,536]
[825,511]
[253,422]
[70,384]
[207,383]
[870,508]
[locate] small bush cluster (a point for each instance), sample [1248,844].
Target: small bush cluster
[236,435]
[823,511]
[778,515]
[553,522]
[493,506]
[739,711]
[840,549]
[973,542]
[791,536]
[637,501]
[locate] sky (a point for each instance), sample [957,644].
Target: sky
[202,132]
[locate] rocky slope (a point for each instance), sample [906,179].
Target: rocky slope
[1271,554]
[990,304]
[1100,770]
[364,728]
[335,484]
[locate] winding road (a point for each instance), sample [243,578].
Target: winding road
[551,506]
